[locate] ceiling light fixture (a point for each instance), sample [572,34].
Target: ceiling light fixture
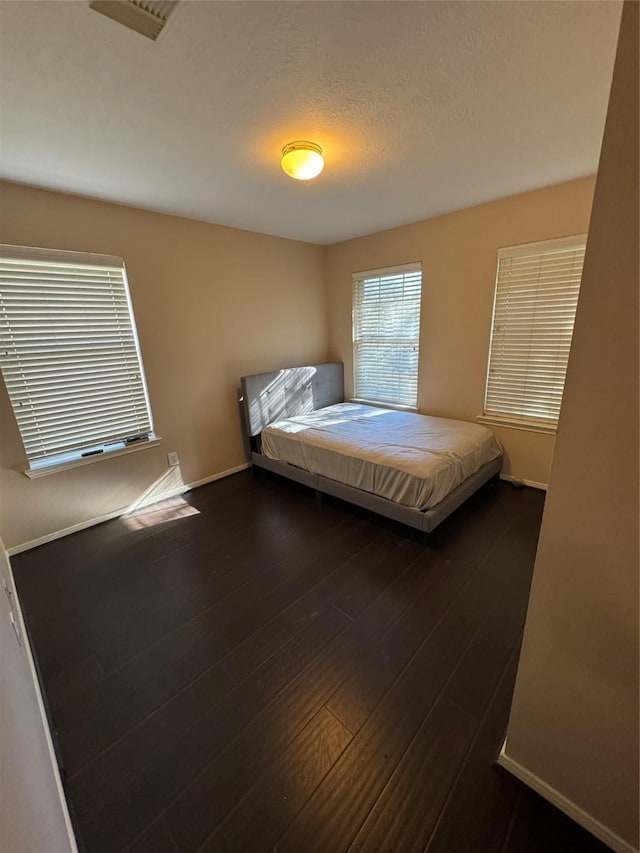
[302,160]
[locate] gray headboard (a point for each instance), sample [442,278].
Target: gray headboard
[293,391]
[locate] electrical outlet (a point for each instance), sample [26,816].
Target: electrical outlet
[172,459]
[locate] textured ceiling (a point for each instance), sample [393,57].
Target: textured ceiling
[421,107]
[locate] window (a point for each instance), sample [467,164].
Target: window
[386,332]
[69,355]
[535,303]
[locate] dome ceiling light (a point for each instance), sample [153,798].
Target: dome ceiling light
[302,160]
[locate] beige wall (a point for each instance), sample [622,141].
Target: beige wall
[211,304]
[33,811]
[574,721]
[458,255]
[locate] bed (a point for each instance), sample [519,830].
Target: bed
[409,467]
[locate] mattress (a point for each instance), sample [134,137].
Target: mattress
[412,459]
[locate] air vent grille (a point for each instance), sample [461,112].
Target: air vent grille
[147,17]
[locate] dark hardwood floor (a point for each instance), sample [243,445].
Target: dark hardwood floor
[246,669]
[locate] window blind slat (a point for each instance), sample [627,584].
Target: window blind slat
[60,419]
[69,352]
[54,434]
[62,391]
[534,309]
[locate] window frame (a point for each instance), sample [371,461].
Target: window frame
[95,450]
[511,419]
[380,273]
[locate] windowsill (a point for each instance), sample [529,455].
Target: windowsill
[45,470]
[380,405]
[512,422]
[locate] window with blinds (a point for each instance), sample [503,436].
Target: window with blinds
[536,296]
[386,334]
[69,354]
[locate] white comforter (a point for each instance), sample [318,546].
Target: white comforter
[411,459]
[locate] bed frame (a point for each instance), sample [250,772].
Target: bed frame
[268,397]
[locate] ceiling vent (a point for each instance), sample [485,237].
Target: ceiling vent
[146,17]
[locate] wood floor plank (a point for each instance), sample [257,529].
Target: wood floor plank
[357,698]
[112,560]
[192,816]
[89,723]
[265,811]
[117,538]
[155,839]
[73,680]
[391,827]
[404,815]
[476,816]
[107,550]
[228,572]
[125,789]
[230,717]
[483,665]
[195,662]
[151,597]
[338,808]
[364,582]
[371,570]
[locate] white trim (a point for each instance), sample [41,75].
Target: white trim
[34,473]
[384,271]
[219,476]
[24,638]
[532,483]
[30,253]
[98,519]
[559,245]
[512,422]
[601,832]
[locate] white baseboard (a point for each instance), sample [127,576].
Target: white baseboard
[565,805]
[98,519]
[219,476]
[532,483]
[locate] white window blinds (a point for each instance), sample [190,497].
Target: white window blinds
[69,353]
[535,304]
[386,334]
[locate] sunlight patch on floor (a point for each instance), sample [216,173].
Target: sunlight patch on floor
[160,503]
[159,513]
